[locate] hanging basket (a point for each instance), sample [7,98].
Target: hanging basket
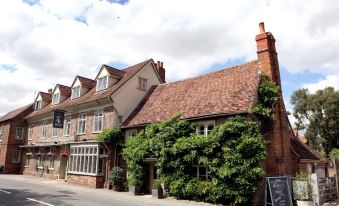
[29,154]
[39,154]
[50,154]
[64,154]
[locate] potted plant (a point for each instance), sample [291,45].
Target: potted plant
[117,177]
[134,185]
[157,191]
[302,190]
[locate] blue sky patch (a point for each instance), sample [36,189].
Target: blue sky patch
[122,2]
[31,2]
[8,67]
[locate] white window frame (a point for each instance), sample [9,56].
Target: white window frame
[28,160]
[205,124]
[18,156]
[130,133]
[82,123]
[56,98]
[30,133]
[100,86]
[2,132]
[51,162]
[98,117]
[67,126]
[84,159]
[44,130]
[21,137]
[142,84]
[76,92]
[37,105]
[54,132]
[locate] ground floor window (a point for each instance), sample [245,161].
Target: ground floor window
[28,160]
[199,172]
[41,161]
[51,162]
[16,156]
[85,159]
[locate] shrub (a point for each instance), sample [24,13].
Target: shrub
[117,176]
[156,184]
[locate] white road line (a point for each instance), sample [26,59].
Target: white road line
[5,191]
[44,203]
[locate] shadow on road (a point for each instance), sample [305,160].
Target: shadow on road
[19,197]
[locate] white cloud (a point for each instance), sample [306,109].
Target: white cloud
[329,81]
[45,41]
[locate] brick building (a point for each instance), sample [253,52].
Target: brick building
[90,106]
[12,133]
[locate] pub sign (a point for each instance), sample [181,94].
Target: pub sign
[58,120]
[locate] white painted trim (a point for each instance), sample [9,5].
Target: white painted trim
[96,108]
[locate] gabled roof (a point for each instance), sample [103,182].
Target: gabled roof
[47,97]
[92,95]
[303,151]
[228,91]
[112,71]
[15,113]
[64,90]
[90,83]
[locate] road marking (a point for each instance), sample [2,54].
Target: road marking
[44,203]
[5,191]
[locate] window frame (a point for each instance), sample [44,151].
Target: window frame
[98,116]
[98,89]
[51,162]
[30,133]
[198,176]
[82,119]
[67,124]
[37,105]
[18,156]
[85,159]
[28,160]
[56,100]
[76,95]
[44,130]
[54,135]
[22,133]
[205,124]
[142,84]
[2,132]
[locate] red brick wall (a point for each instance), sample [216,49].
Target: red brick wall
[90,181]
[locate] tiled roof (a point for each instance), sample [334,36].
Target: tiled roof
[14,113]
[92,95]
[65,90]
[113,71]
[228,91]
[90,83]
[46,96]
[304,151]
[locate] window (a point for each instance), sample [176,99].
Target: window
[98,121]
[30,133]
[142,83]
[82,124]
[56,98]
[51,162]
[1,133]
[19,133]
[54,132]
[204,128]
[41,161]
[85,159]
[102,83]
[44,130]
[37,105]
[67,126]
[200,172]
[131,133]
[16,156]
[75,92]
[28,160]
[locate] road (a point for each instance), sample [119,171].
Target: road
[17,190]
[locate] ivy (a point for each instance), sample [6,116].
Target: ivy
[231,153]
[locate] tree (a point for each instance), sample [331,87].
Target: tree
[318,114]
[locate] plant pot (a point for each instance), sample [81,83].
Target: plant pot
[117,188]
[158,193]
[305,203]
[134,190]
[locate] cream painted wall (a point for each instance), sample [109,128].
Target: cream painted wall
[76,83]
[128,97]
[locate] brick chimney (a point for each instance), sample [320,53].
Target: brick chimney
[161,70]
[50,91]
[267,54]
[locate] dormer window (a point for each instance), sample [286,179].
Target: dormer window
[56,98]
[37,105]
[102,83]
[75,92]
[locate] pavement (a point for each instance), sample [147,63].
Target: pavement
[17,190]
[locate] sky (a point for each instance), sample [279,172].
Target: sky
[46,42]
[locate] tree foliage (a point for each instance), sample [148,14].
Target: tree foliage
[318,114]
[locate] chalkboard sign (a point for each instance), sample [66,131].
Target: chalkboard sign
[279,191]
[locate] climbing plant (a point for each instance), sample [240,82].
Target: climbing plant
[230,153]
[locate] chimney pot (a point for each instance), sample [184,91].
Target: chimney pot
[50,91]
[262,27]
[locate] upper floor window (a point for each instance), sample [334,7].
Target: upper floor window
[16,156]
[1,133]
[67,126]
[37,105]
[54,132]
[131,133]
[44,130]
[82,123]
[56,98]
[19,133]
[204,128]
[98,121]
[30,133]
[102,83]
[76,92]
[142,84]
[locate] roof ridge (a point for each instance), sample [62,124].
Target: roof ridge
[213,72]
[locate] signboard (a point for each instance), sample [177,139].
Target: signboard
[58,120]
[278,191]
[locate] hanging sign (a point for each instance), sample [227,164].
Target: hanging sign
[58,120]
